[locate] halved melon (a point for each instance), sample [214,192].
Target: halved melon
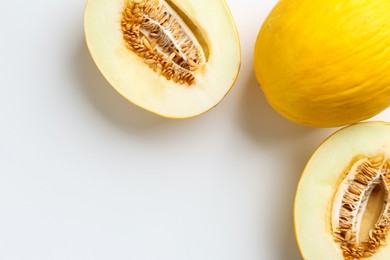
[176,58]
[342,205]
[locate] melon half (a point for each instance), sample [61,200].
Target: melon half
[342,205]
[176,58]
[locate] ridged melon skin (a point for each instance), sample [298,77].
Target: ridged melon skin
[326,63]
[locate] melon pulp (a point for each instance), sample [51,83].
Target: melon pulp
[325,63]
[176,58]
[342,204]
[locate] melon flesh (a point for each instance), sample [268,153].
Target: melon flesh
[210,22]
[319,185]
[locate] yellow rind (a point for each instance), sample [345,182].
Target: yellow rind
[325,63]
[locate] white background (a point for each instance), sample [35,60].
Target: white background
[86,175]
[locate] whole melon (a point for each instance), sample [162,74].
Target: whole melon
[326,63]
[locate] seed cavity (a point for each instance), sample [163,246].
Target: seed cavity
[365,177]
[154,31]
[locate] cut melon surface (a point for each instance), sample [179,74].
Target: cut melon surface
[177,59]
[342,202]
